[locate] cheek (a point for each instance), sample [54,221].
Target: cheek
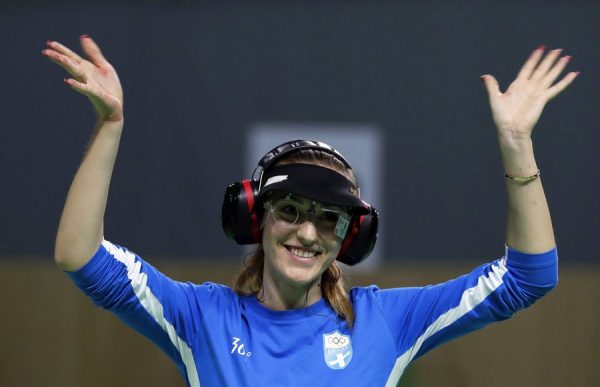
[267,239]
[271,236]
[334,246]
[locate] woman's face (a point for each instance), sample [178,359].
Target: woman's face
[301,238]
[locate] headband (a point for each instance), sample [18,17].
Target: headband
[312,182]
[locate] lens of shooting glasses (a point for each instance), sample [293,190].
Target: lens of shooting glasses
[287,211]
[292,212]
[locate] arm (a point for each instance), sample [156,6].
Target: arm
[515,113]
[80,231]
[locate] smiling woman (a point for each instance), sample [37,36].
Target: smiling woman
[290,321]
[307,200]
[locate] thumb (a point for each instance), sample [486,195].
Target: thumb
[491,85]
[92,50]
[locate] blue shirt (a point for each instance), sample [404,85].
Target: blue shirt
[219,338]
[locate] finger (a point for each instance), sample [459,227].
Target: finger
[66,63]
[492,87]
[531,63]
[545,64]
[555,71]
[81,87]
[93,51]
[560,86]
[56,46]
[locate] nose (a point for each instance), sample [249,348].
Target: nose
[307,233]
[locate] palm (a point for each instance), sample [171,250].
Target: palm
[516,111]
[111,98]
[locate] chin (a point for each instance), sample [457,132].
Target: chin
[301,277]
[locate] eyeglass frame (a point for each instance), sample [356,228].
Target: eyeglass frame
[339,230]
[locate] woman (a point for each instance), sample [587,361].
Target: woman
[289,320]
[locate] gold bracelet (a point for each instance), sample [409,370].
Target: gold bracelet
[523,179]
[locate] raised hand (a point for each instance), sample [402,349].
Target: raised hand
[517,110]
[92,76]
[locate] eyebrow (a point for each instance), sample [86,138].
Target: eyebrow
[301,200]
[295,198]
[323,206]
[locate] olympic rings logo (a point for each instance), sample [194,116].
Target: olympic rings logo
[336,340]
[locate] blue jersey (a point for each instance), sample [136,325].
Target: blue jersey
[219,338]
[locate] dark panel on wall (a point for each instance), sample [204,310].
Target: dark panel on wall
[196,77]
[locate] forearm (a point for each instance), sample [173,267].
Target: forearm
[529,226]
[80,231]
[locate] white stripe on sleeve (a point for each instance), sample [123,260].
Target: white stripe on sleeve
[153,306]
[470,299]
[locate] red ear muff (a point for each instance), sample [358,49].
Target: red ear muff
[360,238]
[250,194]
[239,217]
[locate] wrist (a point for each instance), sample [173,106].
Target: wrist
[115,123]
[514,141]
[522,180]
[517,156]
[106,113]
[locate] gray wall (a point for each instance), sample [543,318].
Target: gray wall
[197,77]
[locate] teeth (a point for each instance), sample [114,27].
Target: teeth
[302,253]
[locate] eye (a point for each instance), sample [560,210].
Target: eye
[329,217]
[286,211]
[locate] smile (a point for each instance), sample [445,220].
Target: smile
[301,252]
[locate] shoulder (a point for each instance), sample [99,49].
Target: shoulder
[374,294]
[374,291]
[359,292]
[212,290]
[215,289]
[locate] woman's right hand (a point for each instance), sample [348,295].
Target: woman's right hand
[93,77]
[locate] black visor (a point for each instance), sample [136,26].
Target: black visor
[312,182]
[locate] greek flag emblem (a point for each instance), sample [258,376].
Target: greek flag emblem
[337,350]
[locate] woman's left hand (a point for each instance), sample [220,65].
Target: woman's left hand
[516,111]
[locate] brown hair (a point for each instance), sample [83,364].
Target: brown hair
[333,283]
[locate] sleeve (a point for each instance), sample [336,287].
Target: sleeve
[422,318]
[164,310]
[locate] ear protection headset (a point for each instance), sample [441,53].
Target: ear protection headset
[241,216]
